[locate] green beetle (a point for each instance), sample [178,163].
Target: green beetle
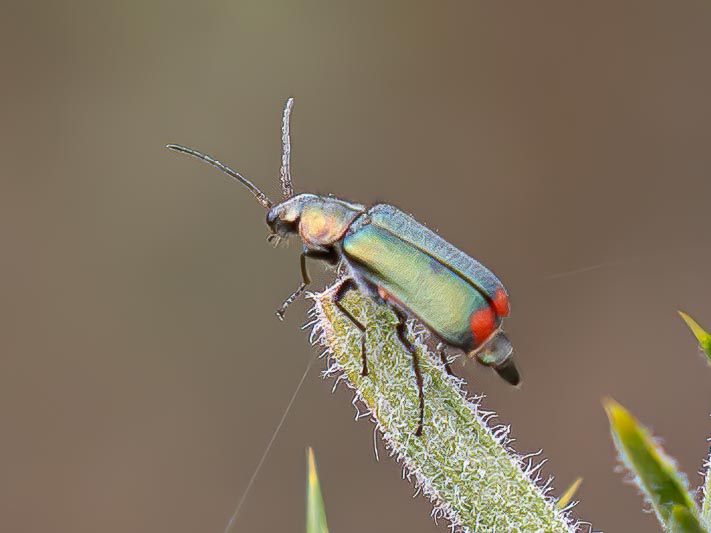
[395,260]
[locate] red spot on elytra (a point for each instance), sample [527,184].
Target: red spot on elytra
[501,302]
[482,323]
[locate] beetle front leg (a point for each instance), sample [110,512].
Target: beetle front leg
[401,330]
[343,288]
[305,280]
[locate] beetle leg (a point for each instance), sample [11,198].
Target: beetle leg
[305,280]
[343,288]
[401,330]
[443,357]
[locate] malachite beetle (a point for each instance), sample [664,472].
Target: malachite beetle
[397,261]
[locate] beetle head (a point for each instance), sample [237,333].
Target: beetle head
[319,220]
[283,218]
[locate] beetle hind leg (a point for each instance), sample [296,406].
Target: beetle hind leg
[343,288]
[401,330]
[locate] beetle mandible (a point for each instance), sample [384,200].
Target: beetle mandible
[395,260]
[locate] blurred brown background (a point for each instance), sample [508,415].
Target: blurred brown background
[142,368]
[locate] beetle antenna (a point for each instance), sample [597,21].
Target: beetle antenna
[287,188]
[258,194]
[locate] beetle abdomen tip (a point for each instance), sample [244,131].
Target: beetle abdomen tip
[497,352]
[509,372]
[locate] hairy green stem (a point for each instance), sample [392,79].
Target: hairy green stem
[706,502]
[461,462]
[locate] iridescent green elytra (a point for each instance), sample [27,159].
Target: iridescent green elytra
[443,287]
[397,261]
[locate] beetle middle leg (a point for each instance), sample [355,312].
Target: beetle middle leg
[343,288]
[401,330]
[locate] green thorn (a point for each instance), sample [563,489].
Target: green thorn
[569,493]
[655,472]
[315,509]
[701,335]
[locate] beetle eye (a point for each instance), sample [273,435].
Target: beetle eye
[272,217]
[284,229]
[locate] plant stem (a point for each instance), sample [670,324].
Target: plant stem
[462,463]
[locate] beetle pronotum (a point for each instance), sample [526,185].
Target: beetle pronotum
[394,259]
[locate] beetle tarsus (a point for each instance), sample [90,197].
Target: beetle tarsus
[292,297]
[343,288]
[401,330]
[305,281]
[443,357]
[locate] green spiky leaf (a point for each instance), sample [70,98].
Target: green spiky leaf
[704,340]
[655,472]
[701,335]
[684,521]
[315,509]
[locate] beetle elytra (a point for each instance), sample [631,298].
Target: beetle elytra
[397,261]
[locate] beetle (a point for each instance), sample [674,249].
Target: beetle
[395,260]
